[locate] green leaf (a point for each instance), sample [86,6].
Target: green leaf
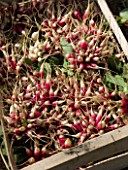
[20,155]
[67,47]
[24,121]
[28,62]
[124,13]
[125,71]
[119,81]
[123,20]
[1,135]
[109,78]
[4,149]
[47,67]
[56,60]
[125,89]
[114,64]
[65,64]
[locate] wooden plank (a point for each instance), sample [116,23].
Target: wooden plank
[11,161]
[113,24]
[114,163]
[99,148]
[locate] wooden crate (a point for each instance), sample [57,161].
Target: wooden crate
[114,26]
[94,150]
[109,150]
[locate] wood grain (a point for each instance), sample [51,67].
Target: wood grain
[113,24]
[117,162]
[96,149]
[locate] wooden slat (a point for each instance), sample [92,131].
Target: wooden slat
[11,161]
[114,163]
[99,148]
[113,24]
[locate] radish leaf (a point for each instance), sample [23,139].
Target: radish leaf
[66,47]
[124,13]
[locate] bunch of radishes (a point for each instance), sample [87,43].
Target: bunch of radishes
[53,69]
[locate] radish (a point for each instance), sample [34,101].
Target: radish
[37,152]
[99,115]
[67,143]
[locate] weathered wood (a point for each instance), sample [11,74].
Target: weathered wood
[11,160]
[113,24]
[117,162]
[96,149]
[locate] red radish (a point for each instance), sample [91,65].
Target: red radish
[29,151]
[82,138]
[76,15]
[83,44]
[116,118]
[84,123]
[124,110]
[112,127]
[44,151]
[92,23]
[81,66]
[77,126]
[12,116]
[124,102]
[91,43]
[48,82]
[99,115]
[69,56]
[47,47]
[77,135]
[87,11]
[99,126]
[72,60]
[18,131]
[61,140]
[61,22]
[113,94]
[77,104]
[80,59]
[93,115]
[82,86]
[37,114]
[101,89]
[78,112]
[107,118]
[91,127]
[37,152]
[67,143]
[31,160]
[95,59]
[57,102]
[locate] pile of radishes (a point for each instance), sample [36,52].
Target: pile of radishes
[53,60]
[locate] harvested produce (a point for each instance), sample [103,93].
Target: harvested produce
[62,77]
